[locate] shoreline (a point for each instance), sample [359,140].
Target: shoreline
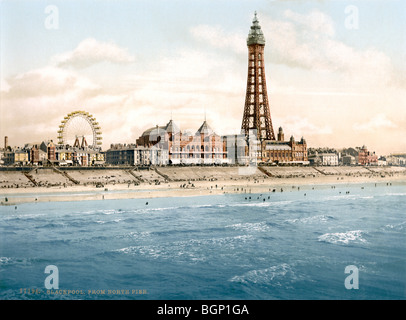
[17,196]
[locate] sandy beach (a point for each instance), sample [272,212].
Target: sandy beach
[44,185]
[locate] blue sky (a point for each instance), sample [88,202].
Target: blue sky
[134,63]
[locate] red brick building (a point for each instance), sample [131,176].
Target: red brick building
[202,147]
[366,158]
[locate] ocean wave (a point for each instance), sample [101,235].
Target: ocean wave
[192,250]
[51,225]
[397,227]
[108,221]
[136,234]
[261,204]
[343,237]
[272,275]
[179,207]
[346,197]
[312,219]
[23,217]
[110,211]
[5,261]
[249,226]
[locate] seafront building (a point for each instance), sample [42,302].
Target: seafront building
[396,159]
[171,146]
[325,159]
[133,155]
[366,157]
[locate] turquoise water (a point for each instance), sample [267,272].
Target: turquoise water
[293,244]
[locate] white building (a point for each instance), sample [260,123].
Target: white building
[328,159]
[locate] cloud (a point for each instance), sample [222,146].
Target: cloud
[302,125]
[316,21]
[4,86]
[380,121]
[307,41]
[218,38]
[90,52]
[45,82]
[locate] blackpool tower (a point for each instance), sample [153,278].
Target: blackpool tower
[257,115]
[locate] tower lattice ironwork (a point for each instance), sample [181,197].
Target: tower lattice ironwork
[257,115]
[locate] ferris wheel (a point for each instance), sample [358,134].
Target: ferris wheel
[79,128]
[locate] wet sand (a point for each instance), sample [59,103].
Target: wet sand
[215,181]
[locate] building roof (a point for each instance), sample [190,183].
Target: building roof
[277,146]
[327,154]
[205,129]
[255,35]
[172,127]
[155,131]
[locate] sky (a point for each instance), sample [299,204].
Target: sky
[335,70]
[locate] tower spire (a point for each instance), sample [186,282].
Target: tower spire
[255,35]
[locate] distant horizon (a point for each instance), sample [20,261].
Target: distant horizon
[335,70]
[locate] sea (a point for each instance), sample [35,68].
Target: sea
[345,242]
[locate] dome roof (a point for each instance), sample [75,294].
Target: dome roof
[154,131]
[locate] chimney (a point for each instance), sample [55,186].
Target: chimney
[5,142]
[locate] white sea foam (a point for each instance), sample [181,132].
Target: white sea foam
[346,197]
[139,234]
[266,203]
[397,227]
[256,226]
[343,237]
[4,260]
[188,250]
[312,219]
[265,276]
[109,211]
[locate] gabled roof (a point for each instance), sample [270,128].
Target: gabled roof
[205,129]
[171,127]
